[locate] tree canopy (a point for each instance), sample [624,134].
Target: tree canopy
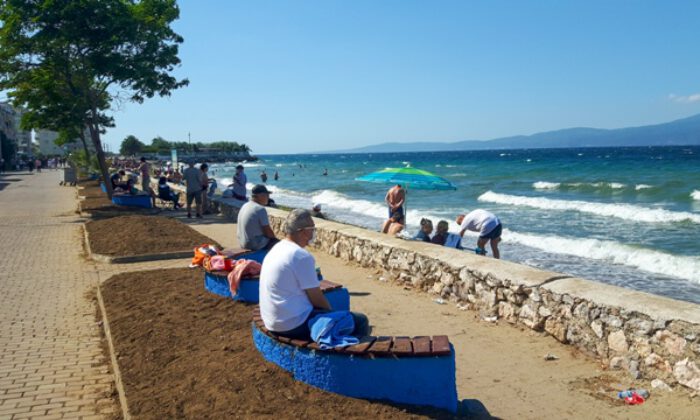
[131,146]
[67,61]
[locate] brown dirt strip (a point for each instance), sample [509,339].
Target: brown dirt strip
[139,235]
[185,353]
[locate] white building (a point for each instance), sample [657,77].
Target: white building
[45,140]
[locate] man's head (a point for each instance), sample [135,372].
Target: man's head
[299,227]
[239,168]
[442,226]
[459,219]
[121,172]
[204,167]
[316,207]
[260,194]
[143,159]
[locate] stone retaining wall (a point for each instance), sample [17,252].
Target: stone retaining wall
[649,336]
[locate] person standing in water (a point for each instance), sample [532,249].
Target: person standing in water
[263,176]
[395,198]
[277,175]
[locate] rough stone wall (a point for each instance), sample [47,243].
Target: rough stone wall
[649,336]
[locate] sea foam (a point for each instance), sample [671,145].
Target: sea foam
[684,267]
[544,185]
[695,195]
[621,211]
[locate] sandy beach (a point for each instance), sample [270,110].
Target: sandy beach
[498,365]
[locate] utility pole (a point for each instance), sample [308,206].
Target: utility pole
[189,140]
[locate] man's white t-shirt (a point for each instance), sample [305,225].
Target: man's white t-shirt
[287,272]
[481,221]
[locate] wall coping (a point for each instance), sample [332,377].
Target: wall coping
[656,307]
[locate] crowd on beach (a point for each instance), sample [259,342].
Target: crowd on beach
[483,222]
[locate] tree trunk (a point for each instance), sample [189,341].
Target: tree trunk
[85,146]
[104,169]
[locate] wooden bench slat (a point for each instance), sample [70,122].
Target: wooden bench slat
[361,347]
[402,346]
[380,346]
[235,252]
[441,345]
[421,346]
[299,343]
[327,286]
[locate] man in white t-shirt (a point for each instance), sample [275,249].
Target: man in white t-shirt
[487,225]
[290,294]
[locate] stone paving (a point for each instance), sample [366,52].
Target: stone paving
[51,362]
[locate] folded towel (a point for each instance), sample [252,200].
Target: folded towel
[333,329]
[241,269]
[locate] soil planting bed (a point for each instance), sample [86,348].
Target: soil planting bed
[142,235]
[184,353]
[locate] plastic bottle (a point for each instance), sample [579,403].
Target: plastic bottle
[630,392]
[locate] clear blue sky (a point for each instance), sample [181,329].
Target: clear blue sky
[300,76]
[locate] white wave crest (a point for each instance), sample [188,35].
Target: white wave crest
[544,185]
[621,211]
[687,268]
[695,195]
[640,187]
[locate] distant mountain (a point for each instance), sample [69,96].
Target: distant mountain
[685,131]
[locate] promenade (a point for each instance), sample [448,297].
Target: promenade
[51,363]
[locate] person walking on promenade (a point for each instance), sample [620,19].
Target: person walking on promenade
[395,198]
[487,225]
[239,182]
[193,179]
[290,295]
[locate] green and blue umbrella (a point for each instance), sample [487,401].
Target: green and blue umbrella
[409,178]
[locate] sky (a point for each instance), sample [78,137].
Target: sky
[305,76]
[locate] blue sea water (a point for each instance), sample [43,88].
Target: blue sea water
[623,216]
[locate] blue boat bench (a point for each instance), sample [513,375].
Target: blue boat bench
[405,370]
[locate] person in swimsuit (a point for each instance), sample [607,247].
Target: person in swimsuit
[395,198]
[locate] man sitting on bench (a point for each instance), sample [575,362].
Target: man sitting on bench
[253,225]
[289,288]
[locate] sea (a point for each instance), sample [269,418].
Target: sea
[623,216]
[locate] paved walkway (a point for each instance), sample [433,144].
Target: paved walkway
[51,363]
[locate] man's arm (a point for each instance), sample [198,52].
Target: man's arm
[268,233]
[402,196]
[317,298]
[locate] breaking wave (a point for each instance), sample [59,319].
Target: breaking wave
[620,211]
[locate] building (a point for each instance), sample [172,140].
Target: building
[44,139]
[8,134]
[10,118]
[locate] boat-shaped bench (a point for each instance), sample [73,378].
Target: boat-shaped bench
[133,200]
[418,370]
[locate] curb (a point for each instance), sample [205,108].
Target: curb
[112,355]
[107,259]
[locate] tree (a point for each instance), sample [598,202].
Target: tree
[159,144]
[76,57]
[131,146]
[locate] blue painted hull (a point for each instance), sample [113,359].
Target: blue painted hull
[133,200]
[428,381]
[249,291]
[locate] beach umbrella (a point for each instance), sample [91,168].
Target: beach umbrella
[409,177]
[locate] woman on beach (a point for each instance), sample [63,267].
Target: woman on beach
[426,228]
